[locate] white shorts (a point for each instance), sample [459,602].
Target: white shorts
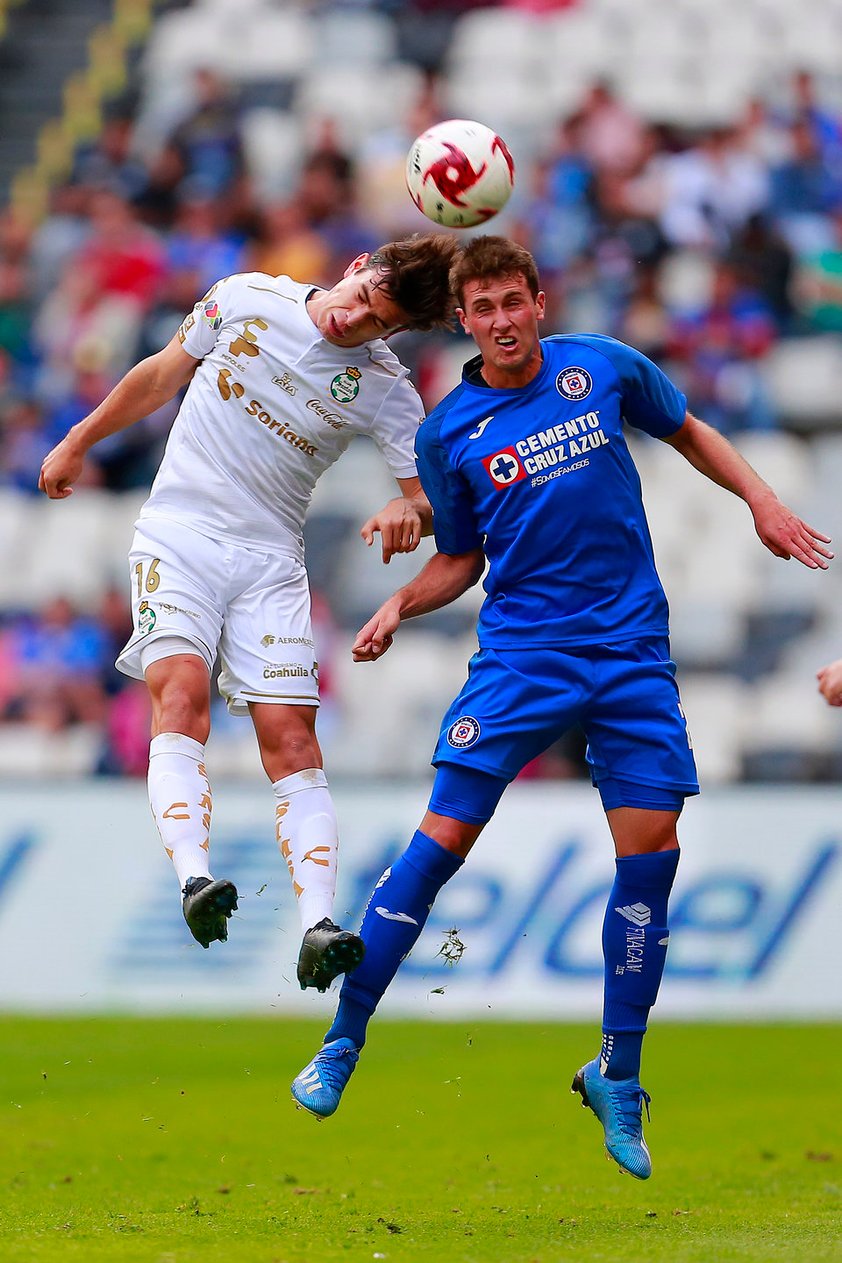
[249,607]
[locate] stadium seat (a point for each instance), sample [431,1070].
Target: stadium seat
[824,508]
[378,737]
[325,535]
[499,100]
[705,635]
[802,375]
[243,40]
[823,644]
[658,93]
[183,41]
[358,484]
[784,460]
[367,36]
[447,368]
[826,450]
[791,730]
[17,542]
[71,544]
[789,707]
[580,44]
[702,536]
[28,752]
[278,43]
[362,581]
[356,100]
[717,716]
[685,279]
[504,39]
[813,36]
[273,148]
[232,752]
[788,586]
[660,36]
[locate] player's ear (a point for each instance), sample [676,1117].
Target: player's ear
[360,262]
[540,304]
[460,312]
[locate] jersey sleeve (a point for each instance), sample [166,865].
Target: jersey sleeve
[454,522]
[199,331]
[650,400]
[395,426]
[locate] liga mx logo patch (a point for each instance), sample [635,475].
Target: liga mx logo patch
[212,315]
[504,468]
[574,383]
[464,732]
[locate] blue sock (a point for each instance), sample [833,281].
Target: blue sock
[634,945]
[394,918]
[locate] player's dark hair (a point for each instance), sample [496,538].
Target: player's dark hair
[416,275]
[488,258]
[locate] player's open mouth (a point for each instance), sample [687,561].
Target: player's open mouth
[507,343]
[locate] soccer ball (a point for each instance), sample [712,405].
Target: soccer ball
[459,173]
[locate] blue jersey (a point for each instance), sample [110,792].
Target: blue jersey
[541,478]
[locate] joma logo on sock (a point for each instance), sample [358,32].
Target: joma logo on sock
[637,913]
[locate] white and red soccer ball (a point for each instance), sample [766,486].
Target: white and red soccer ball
[459,173]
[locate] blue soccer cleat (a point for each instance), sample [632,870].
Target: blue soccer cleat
[618,1105]
[319,1087]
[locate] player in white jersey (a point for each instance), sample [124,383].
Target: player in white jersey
[281,377]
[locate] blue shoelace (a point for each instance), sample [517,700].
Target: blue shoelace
[335,1074]
[628,1106]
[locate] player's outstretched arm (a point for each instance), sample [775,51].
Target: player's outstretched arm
[830,682]
[145,388]
[441,581]
[402,521]
[782,531]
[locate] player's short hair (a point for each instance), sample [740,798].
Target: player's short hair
[486,259]
[416,275]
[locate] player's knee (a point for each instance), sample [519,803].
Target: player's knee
[639,831]
[660,837]
[179,715]
[287,740]
[180,703]
[456,836]
[291,752]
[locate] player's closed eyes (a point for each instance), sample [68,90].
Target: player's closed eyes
[364,299]
[513,304]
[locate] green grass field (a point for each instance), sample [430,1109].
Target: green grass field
[176,1141]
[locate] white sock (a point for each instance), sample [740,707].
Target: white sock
[308,838]
[180,798]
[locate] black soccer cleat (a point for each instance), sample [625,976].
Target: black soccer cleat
[326,952]
[207,906]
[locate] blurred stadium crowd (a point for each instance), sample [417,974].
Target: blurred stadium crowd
[681,189]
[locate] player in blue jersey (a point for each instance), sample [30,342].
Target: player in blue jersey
[527,469]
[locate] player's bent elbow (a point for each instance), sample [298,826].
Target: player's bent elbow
[473,565]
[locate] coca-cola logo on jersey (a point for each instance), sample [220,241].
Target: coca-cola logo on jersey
[332,418]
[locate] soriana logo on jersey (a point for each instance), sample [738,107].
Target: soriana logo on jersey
[504,467]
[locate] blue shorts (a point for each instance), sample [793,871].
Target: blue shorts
[516,703]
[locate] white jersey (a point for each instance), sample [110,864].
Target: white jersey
[271,406]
